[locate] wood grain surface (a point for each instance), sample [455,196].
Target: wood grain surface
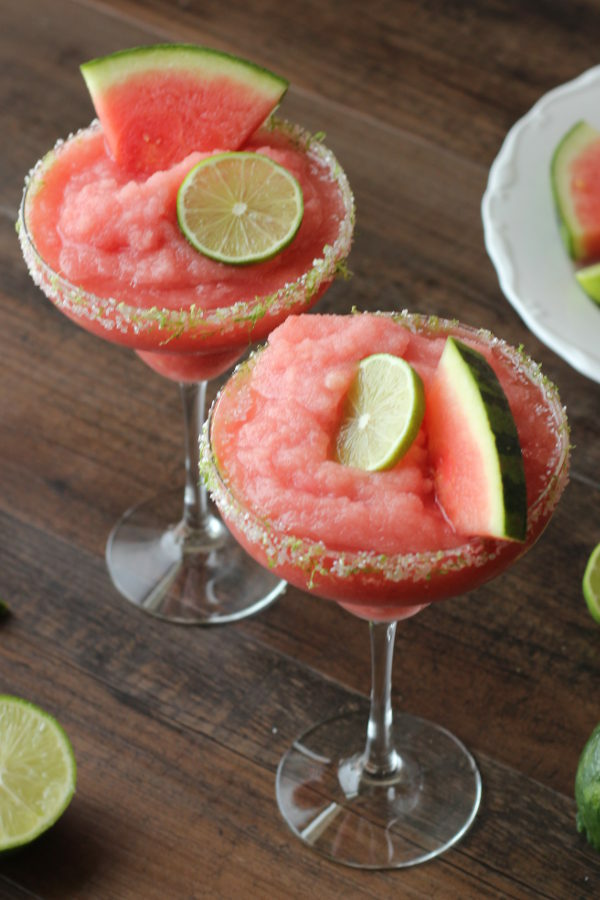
[178,731]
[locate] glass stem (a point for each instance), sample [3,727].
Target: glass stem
[380,757]
[195,501]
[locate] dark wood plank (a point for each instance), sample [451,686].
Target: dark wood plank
[165,773]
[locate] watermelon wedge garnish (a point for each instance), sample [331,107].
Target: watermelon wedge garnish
[157,104]
[474,447]
[575,177]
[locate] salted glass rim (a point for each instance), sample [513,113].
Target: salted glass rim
[81,302]
[307,553]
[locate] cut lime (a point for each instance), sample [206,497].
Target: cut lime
[591,583]
[589,279]
[383,412]
[37,772]
[239,208]
[587,789]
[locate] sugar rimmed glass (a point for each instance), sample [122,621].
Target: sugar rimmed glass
[374,789]
[189,569]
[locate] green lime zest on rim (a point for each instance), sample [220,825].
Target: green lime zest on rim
[239,208]
[37,772]
[382,414]
[591,583]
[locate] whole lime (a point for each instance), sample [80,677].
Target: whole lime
[587,789]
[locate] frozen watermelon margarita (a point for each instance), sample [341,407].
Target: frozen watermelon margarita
[185,223]
[107,249]
[377,542]
[381,544]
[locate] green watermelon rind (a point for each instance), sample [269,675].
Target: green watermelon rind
[492,424]
[105,71]
[574,142]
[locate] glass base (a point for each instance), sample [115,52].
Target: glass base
[412,815]
[189,577]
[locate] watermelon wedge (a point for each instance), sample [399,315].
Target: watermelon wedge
[575,176]
[157,104]
[474,447]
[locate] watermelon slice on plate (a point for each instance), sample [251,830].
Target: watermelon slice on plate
[474,447]
[575,175]
[157,104]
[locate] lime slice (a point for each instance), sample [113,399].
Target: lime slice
[383,412]
[239,208]
[591,583]
[37,772]
[589,279]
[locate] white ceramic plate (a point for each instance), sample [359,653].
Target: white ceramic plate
[521,232]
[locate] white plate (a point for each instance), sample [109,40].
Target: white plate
[521,232]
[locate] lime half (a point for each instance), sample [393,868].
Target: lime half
[37,772]
[591,583]
[383,412]
[239,208]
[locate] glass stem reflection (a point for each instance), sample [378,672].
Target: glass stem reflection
[195,501]
[380,757]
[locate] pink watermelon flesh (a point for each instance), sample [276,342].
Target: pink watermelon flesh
[474,448]
[158,104]
[454,459]
[575,179]
[585,190]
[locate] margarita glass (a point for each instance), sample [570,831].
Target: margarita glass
[370,790]
[106,249]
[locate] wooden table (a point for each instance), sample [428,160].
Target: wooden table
[178,731]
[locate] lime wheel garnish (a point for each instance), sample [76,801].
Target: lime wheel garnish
[239,208]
